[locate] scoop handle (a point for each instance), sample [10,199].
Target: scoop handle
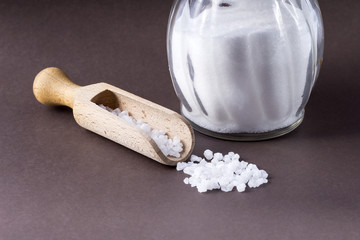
[53,87]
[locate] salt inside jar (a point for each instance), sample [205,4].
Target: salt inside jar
[244,69]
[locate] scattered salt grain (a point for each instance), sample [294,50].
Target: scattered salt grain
[218,157]
[180,166]
[217,171]
[186,180]
[194,158]
[208,154]
[169,147]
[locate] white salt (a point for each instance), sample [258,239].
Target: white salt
[169,147]
[186,180]
[247,67]
[221,172]
[180,166]
[208,154]
[241,187]
[218,157]
[194,158]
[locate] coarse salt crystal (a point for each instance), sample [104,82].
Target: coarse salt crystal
[218,157]
[194,158]
[221,172]
[208,154]
[180,166]
[241,187]
[186,180]
[169,147]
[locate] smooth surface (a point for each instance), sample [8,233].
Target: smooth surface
[86,187]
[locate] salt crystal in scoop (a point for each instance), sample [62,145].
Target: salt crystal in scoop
[169,147]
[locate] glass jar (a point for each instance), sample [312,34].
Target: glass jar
[244,69]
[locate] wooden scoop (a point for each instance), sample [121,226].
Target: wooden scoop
[53,87]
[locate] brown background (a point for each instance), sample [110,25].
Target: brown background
[59,181]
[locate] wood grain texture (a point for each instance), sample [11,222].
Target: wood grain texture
[53,87]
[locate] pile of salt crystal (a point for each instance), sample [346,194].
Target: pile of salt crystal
[221,172]
[169,147]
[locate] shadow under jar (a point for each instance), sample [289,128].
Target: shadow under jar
[244,69]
